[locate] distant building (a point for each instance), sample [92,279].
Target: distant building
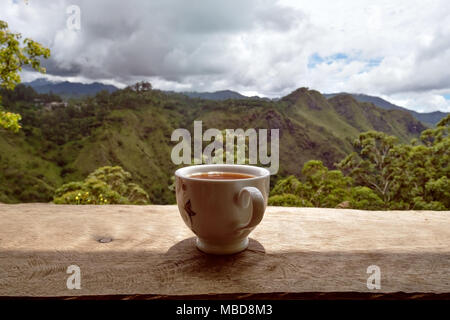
[54,105]
[38,101]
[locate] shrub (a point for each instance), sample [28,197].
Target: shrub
[106,185]
[288,200]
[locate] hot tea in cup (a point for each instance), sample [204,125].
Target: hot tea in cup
[222,204]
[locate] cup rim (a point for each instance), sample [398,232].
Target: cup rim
[181,172]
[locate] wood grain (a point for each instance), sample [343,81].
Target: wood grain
[147,251]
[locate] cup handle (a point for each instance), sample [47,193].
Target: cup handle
[252,195]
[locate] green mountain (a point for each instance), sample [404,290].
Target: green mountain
[60,143]
[429,118]
[216,95]
[68,89]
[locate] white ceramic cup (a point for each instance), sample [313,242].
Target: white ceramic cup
[223,212]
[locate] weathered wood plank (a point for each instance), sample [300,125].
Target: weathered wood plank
[295,251]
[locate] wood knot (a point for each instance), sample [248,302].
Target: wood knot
[105,240]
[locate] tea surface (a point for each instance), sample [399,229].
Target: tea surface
[221,175]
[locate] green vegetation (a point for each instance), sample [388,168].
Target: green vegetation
[14,54]
[106,185]
[10,121]
[380,174]
[322,188]
[396,163]
[131,128]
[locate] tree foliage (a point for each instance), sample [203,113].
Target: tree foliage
[321,187]
[126,126]
[106,185]
[14,54]
[10,121]
[380,174]
[373,164]
[141,87]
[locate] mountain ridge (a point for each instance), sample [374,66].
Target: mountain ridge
[216,95]
[68,89]
[429,118]
[133,129]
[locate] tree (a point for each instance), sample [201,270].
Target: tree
[146,86]
[142,86]
[365,199]
[321,187]
[405,176]
[288,200]
[106,185]
[372,164]
[9,120]
[14,54]
[289,192]
[437,187]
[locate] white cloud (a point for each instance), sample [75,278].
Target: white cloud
[398,49]
[421,102]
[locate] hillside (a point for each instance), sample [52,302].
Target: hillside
[133,130]
[429,118]
[216,95]
[68,89]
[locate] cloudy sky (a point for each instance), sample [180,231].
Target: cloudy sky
[396,49]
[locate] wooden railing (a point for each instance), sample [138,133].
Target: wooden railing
[147,252]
